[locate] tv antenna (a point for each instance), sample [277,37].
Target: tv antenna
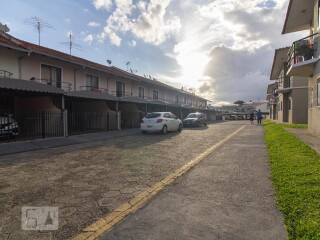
[128,63]
[71,44]
[109,62]
[133,71]
[38,24]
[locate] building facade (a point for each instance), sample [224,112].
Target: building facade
[289,94]
[304,53]
[85,96]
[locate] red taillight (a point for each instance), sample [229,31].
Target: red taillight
[159,120]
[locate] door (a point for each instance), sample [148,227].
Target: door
[120,91]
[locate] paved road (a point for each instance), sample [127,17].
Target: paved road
[89,180]
[227,196]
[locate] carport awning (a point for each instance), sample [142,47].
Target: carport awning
[133,99]
[156,101]
[91,95]
[26,85]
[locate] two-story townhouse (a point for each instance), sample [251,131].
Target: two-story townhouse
[96,97]
[304,53]
[291,92]
[272,101]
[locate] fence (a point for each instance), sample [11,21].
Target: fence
[131,119]
[28,125]
[90,122]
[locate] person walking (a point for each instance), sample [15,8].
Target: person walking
[251,117]
[259,117]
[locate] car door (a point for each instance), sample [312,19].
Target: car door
[168,120]
[175,121]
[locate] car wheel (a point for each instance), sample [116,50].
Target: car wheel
[205,123]
[144,132]
[180,127]
[164,129]
[198,124]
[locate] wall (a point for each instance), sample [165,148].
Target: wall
[9,61]
[300,106]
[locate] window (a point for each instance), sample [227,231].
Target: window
[166,115]
[120,89]
[281,106]
[318,92]
[173,116]
[291,81]
[92,82]
[176,99]
[155,94]
[141,92]
[51,74]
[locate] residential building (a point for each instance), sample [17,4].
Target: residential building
[85,95]
[304,58]
[272,101]
[289,94]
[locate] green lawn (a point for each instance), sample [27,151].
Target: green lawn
[296,178]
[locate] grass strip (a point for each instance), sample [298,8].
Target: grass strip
[296,177]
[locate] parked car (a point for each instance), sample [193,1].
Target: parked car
[240,117]
[195,120]
[160,122]
[8,126]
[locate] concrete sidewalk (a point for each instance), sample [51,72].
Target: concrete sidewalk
[226,196]
[26,146]
[307,137]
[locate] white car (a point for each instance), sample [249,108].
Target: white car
[160,122]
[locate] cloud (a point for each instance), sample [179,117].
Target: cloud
[106,4]
[88,39]
[233,74]
[132,43]
[93,24]
[146,21]
[114,38]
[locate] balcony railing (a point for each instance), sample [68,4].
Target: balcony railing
[5,74]
[121,94]
[94,89]
[302,50]
[63,85]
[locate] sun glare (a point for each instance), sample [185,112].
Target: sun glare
[191,60]
[193,65]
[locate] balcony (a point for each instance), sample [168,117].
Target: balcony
[93,89]
[121,94]
[302,56]
[5,74]
[67,87]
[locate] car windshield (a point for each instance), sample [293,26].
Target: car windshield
[193,115]
[153,115]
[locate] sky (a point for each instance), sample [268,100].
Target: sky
[220,49]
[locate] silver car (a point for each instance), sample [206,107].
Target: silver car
[8,126]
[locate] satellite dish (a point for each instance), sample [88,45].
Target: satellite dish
[109,61]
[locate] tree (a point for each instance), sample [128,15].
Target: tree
[239,103]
